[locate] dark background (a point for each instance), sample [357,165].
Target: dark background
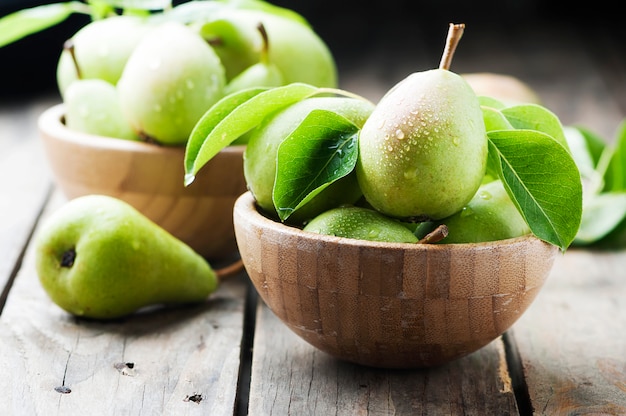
[349,27]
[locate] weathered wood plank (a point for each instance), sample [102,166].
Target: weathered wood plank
[177,355]
[24,183]
[290,377]
[571,341]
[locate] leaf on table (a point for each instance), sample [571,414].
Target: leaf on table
[321,150]
[543,181]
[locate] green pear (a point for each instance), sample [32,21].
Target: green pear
[423,150]
[489,216]
[92,106]
[263,142]
[296,49]
[98,257]
[362,224]
[170,80]
[100,50]
[262,74]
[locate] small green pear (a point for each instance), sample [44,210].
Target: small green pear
[423,150]
[100,49]
[262,74]
[170,80]
[489,216]
[262,148]
[296,49]
[92,106]
[98,257]
[362,224]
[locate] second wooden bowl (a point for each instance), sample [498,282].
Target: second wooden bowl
[389,305]
[150,178]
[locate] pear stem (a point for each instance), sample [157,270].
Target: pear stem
[229,270]
[455,32]
[265,50]
[436,235]
[70,48]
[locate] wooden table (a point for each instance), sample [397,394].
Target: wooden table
[231,356]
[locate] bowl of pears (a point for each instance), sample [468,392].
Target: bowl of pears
[134,87]
[400,234]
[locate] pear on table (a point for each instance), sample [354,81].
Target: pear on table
[98,257]
[423,150]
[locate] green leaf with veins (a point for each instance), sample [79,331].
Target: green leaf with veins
[322,149]
[233,116]
[536,117]
[543,181]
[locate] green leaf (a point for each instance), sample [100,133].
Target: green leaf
[601,214]
[596,145]
[233,116]
[22,23]
[321,150]
[615,176]
[543,181]
[490,102]
[139,4]
[494,119]
[536,117]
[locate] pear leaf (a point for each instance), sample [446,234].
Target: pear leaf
[139,4]
[536,117]
[234,115]
[321,150]
[25,22]
[543,181]
[602,213]
[615,175]
[486,101]
[494,120]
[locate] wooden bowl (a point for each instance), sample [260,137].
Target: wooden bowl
[389,305]
[150,177]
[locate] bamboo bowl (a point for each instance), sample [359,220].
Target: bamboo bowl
[150,178]
[389,305]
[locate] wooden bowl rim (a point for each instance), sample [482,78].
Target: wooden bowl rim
[50,122]
[249,209]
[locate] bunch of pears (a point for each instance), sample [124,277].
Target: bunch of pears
[421,172]
[152,77]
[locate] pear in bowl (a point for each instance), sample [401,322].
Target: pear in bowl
[389,305]
[150,178]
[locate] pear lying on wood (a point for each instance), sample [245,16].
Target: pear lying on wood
[98,257]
